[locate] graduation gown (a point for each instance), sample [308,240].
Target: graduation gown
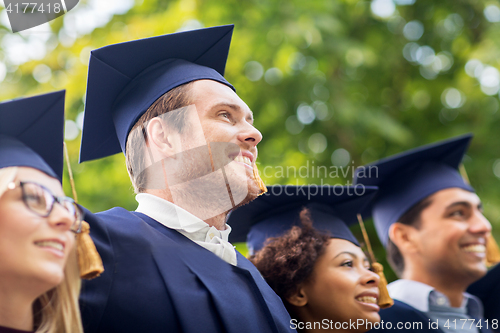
[487,289]
[157,280]
[12,330]
[403,313]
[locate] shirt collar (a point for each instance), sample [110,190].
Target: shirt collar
[419,295]
[413,293]
[174,217]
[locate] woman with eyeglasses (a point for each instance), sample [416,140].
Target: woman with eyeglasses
[39,275]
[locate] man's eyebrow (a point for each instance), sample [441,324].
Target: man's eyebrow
[228,105]
[464,203]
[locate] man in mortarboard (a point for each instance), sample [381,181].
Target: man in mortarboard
[190,148]
[431,222]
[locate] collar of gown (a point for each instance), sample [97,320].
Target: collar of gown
[197,230]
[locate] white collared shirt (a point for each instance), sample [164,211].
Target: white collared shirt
[437,306]
[197,230]
[419,295]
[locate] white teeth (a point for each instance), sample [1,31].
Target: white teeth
[243,159]
[52,244]
[476,248]
[367,299]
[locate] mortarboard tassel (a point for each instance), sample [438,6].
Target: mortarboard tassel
[89,261]
[492,250]
[259,181]
[384,299]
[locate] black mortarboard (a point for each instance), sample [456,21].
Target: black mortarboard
[32,133]
[333,209]
[125,79]
[407,178]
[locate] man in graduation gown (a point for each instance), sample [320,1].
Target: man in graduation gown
[431,222]
[190,148]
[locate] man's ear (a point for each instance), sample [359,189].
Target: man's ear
[403,236]
[299,298]
[162,139]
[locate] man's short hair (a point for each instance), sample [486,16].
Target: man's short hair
[411,217]
[137,138]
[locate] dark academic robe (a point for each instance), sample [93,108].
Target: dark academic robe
[403,313]
[488,291]
[12,330]
[157,280]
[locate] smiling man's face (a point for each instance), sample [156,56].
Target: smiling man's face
[452,236]
[217,154]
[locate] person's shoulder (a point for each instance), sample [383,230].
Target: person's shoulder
[116,217]
[402,312]
[110,214]
[401,316]
[399,309]
[114,213]
[120,224]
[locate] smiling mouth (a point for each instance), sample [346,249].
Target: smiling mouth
[51,244]
[474,248]
[367,299]
[243,159]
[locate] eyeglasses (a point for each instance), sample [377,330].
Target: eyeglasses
[41,201]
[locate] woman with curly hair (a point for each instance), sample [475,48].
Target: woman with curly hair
[40,280]
[316,266]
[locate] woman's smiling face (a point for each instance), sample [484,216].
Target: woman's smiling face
[33,249]
[342,287]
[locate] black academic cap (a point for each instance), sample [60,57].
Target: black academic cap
[125,79]
[32,133]
[333,209]
[407,178]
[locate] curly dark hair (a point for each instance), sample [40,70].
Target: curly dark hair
[287,261]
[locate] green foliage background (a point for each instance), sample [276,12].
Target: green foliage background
[333,57]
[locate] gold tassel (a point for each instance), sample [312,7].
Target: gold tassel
[89,261]
[384,300]
[259,181]
[492,251]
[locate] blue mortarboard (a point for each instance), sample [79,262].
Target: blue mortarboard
[488,291]
[333,209]
[125,79]
[32,133]
[407,178]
